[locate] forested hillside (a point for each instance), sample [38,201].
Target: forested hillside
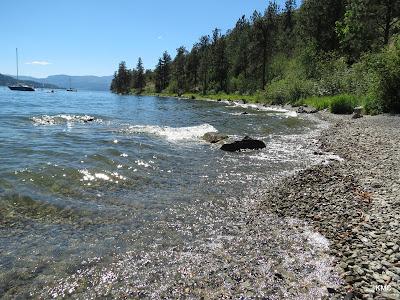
[325,51]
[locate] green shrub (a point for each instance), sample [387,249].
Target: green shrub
[388,86]
[339,104]
[334,74]
[319,103]
[372,105]
[288,90]
[343,104]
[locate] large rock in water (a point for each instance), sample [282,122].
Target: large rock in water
[214,137]
[246,144]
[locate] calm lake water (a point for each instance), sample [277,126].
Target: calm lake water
[118,196]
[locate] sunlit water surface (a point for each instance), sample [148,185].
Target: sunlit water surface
[118,196]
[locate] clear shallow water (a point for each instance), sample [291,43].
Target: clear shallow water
[118,195]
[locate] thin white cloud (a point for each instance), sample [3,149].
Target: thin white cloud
[159,37]
[39,63]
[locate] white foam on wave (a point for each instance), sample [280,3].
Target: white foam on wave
[63,118]
[171,133]
[271,109]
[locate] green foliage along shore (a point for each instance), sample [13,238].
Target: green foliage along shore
[328,53]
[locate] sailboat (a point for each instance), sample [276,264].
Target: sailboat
[19,86]
[70,88]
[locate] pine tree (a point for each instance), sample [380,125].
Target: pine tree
[113,86]
[192,68]
[140,82]
[204,51]
[219,61]
[158,80]
[367,25]
[318,20]
[162,73]
[265,28]
[288,14]
[179,75]
[166,69]
[122,78]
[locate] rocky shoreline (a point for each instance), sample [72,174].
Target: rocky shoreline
[354,203]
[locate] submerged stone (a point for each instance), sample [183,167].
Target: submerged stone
[214,137]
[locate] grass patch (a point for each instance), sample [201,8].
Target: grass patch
[339,104]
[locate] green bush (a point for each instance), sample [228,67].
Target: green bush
[319,103]
[372,105]
[339,104]
[333,78]
[387,89]
[288,90]
[343,104]
[377,75]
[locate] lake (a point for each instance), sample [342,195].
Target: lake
[119,196]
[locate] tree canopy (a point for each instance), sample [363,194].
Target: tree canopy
[286,53]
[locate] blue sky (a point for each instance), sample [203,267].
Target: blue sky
[82,37]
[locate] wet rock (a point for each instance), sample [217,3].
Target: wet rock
[307,110]
[357,113]
[246,144]
[88,119]
[214,137]
[331,290]
[245,113]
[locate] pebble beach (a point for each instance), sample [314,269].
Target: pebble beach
[354,203]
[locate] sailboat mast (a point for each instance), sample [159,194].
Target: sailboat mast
[16,56]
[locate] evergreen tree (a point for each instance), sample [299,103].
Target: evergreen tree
[122,78]
[140,81]
[265,28]
[290,6]
[166,69]
[204,51]
[238,47]
[367,25]
[318,20]
[179,75]
[219,66]
[158,78]
[113,86]
[287,38]
[162,73]
[192,68]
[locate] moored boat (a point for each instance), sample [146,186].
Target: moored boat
[19,86]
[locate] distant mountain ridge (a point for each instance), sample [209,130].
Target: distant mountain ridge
[91,83]
[10,80]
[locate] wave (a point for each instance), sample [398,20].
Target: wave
[171,133]
[268,109]
[62,118]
